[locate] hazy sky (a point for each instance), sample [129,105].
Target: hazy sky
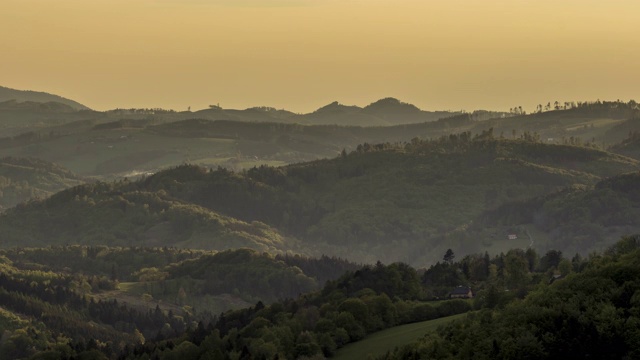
[302,54]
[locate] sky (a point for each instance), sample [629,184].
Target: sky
[303,54]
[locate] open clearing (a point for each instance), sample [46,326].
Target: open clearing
[377,344]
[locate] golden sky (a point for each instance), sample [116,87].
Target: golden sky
[303,54]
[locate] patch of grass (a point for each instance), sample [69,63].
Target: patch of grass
[595,122]
[128,287]
[502,244]
[377,344]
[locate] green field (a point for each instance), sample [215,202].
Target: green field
[377,344]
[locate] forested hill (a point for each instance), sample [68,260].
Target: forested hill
[22,111]
[128,142]
[386,201]
[571,220]
[591,314]
[630,146]
[600,121]
[383,112]
[103,214]
[22,179]
[64,299]
[67,302]
[7,94]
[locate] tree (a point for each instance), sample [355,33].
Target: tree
[550,260]
[306,345]
[449,256]
[565,267]
[114,273]
[516,269]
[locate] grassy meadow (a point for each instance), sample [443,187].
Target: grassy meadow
[377,344]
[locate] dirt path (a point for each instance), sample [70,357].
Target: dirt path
[530,238]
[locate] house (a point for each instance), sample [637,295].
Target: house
[512,237]
[461,292]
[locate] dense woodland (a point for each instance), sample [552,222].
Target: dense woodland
[23,179]
[576,217]
[122,142]
[593,312]
[429,193]
[521,296]
[77,292]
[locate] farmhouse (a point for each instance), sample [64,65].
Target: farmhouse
[461,292]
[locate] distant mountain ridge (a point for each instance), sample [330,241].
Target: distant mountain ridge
[22,111]
[123,142]
[51,106]
[19,96]
[383,112]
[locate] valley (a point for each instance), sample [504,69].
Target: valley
[262,233]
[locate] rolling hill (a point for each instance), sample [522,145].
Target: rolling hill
[589,314]
[22,179]
[20,96]
[628,147]
[130,142]
[603,123]
[23,111]
[580,217]
[406,202]
[129,146]
[384,112]
[101,214]
[147,141]
[121,295]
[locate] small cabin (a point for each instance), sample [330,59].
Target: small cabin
[461,292]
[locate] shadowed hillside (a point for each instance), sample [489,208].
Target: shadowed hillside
[38,97]
[591,313]
[22,179]
[130,142]
[602,123]
[101,215]
[387,201]
[572,220]
[630,146]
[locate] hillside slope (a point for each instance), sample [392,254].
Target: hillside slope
[630,146]
[129,142]
[591,314]
[22,179]
[104,214]
[600,122]
[84,298]
[579,218]
[37,96]
[133,146]
[387,202]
